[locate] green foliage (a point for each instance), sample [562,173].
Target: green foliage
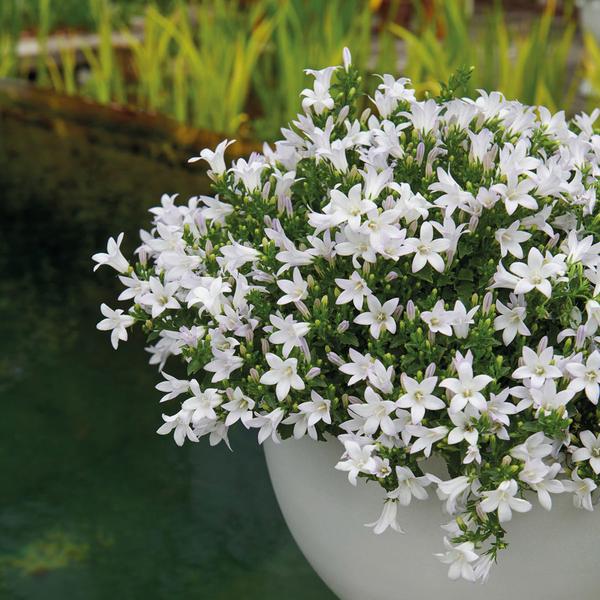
[531,66]
[237,68]
[308,34]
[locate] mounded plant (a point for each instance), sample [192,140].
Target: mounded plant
[419,280]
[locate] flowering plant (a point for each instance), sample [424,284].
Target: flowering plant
[420,280]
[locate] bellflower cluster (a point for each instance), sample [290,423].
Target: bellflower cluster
[417,280]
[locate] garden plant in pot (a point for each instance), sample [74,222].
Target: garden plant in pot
[407,295]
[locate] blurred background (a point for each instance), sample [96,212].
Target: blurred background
[101,103]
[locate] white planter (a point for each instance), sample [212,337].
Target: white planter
[552,556]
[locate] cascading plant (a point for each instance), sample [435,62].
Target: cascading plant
[420,279]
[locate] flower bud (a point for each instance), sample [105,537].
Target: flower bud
[580,337]
[388,203]
[487,303]
[312,373]
[343,326]
[335,359]
[420,153]
[266,190]
[543,344]
[343,114]
[304,348]
[410,310]
[346,58]
[265,346]
[303,309]
[553,241]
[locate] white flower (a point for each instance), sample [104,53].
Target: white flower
[515,193]
[239,407]
[592,308]
[343,208]
[116,322]
[354,290]
[267,425]
[283,375]
[538,367]
[224,363]
[424,115]
[376,413]
[134,288]
[249,172]
[235,256]
[535,446]
[465,428]
[586,377]
[202,403]
[453,196]
[451,491]
[179,424]
[215,211]
[318,98]
[356,459]
[288,332]
[511,320]
[160,297]
[510,239]
[388,518]
[460,559]
[426,437]
[535,274]
[294,290]
[590,451]
[419,397]
[409,485]
[210,295]
[439,320]
[366,367]
[379,318]
[548,485]
[504,500]
[316,410]
[215,160]
[113,256]
[461,319]
[582,490]
[467,388]
[174,387]
[546,399]
[426,249]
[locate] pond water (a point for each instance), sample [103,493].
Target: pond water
[94,504]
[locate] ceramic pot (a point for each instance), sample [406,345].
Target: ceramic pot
[552,556]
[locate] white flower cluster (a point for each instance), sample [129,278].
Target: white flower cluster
[421,279]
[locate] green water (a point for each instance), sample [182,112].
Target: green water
[93,504]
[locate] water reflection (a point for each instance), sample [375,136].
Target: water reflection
[93,504]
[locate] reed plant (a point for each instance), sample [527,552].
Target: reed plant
[237,67]
[531,65]
[307,33]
